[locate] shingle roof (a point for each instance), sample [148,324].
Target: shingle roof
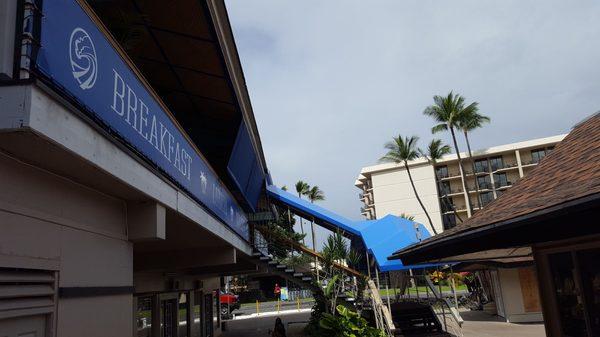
[570,172]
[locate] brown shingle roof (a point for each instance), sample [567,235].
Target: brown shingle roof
[570,172]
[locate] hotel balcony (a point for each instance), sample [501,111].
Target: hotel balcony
[450,192]
[505,167]
[500,186]
[448,175]
[529,163]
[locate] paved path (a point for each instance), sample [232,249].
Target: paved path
[260,326]
[480,324]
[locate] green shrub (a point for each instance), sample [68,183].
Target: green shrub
[348,324]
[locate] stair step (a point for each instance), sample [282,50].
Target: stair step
[298,274]
[306,278]
[273,263]
[281,266]
[289,270]
[265,258]
[257,254]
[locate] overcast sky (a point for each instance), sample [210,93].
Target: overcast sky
[332,81]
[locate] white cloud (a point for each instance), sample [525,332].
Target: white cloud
[331,81]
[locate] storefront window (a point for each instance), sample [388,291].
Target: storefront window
[216,310]
[144,316]
[208,315]
[197,310]
[568,295]
[183,315]
[590,279]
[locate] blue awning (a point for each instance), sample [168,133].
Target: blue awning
[323,217]
[381,237]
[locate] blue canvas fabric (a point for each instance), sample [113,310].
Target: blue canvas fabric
[381,237]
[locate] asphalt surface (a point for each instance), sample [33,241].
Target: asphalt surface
[262,326]
[250,308]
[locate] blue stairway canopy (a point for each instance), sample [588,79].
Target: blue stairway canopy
[381,237]
[309,210]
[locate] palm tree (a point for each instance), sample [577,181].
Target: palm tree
[302,188]
[448,111]
[315,194]
[469,122]
[435,151]
[407,216]
[401,151]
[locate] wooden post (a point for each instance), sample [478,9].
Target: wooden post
[387,292]
[314,244]
[290,222]
[257,308]
[453,288]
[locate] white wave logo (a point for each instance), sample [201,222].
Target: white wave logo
[83,58]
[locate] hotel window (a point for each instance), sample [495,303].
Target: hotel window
[441,172]
[537,155]
[501,180]
[449,221]
[447,204]
[496,163]
[484,182]
[481,165]
[486,198]
[445,188]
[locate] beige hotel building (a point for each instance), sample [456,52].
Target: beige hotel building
[385,189]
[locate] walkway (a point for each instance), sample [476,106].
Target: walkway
[260,326]
[480,324]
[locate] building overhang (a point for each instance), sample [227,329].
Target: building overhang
[186,51]
[511,239]
[40,129]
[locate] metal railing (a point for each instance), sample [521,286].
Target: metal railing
[446,311]
[501,185]
[383,316]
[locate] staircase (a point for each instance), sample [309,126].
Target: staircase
[414,319]
[301,278]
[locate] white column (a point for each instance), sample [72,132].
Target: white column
[519,164]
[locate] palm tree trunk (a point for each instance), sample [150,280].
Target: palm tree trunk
[462,171]
[445,198]
[419,199]
[302,224]
[474,173]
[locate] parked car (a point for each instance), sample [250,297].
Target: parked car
[229,303]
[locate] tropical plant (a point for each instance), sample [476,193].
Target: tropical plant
[302,188]
[348,323]
[335,250]
[448,111]
[407,216]
[401,151]
[435,151]
[467,123]
[314,194]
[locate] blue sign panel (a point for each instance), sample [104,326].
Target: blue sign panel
[76,56]
[244,167]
